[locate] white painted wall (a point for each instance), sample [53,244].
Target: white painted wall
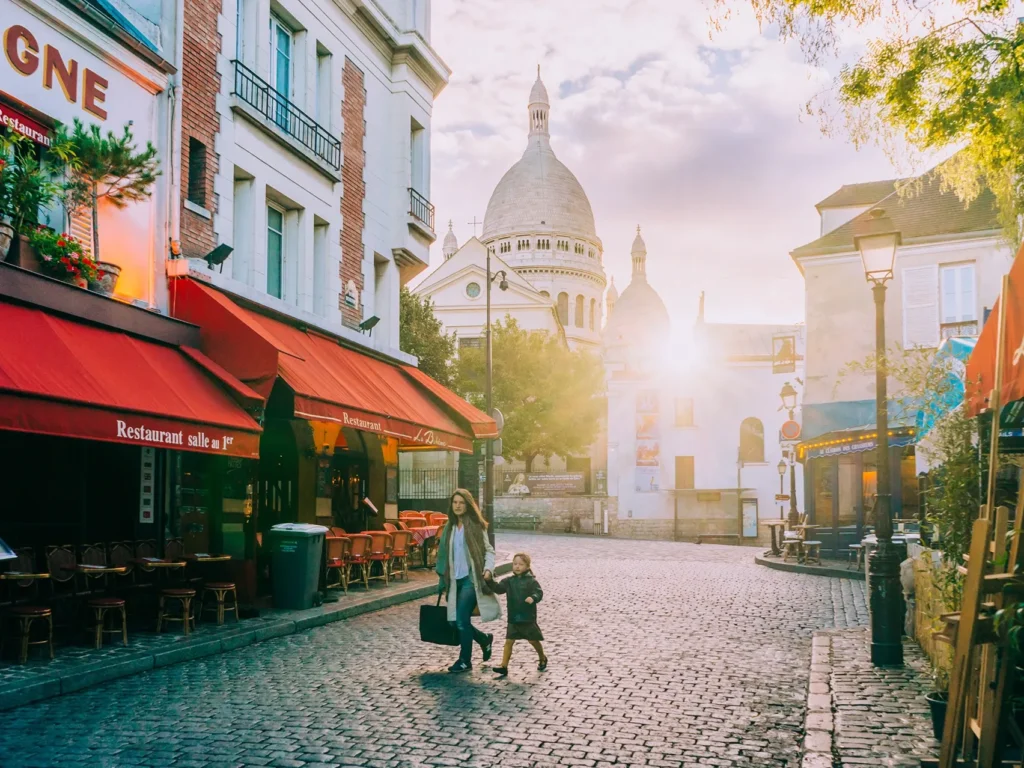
[833,218]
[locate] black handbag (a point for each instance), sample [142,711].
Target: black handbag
[434,626]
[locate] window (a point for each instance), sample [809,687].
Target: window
[684,411]
[593,312]
[472,342]
[684,473]
[958,300]
[197,172]
[921,317]
[473,290]
[323,85]
[275,251]
[752,441]
[239,28]
[417,157]
[579,311]
[563,308]
[545,294]
[281,68]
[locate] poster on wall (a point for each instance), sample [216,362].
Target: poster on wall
[542,484]
[784,354]
[648,443]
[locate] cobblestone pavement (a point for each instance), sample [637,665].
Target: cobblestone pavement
[662,654]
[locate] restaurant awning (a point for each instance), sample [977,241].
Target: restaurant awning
[64,377]
[329,381]
[981,366]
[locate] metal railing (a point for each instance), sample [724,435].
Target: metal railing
[427,483]
[420,208]
[265,99]
[965,328]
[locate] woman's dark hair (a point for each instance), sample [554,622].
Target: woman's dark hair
[472,510]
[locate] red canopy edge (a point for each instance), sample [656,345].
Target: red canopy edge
[483,426]
[242,393]
[981,365]
[330,381]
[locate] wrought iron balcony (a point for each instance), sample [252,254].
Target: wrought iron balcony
[421,209]
[292,121]
[965,328]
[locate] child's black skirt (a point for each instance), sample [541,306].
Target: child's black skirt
[523,630]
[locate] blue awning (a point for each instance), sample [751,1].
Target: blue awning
[949,367]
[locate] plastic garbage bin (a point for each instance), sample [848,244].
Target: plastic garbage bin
[295,550]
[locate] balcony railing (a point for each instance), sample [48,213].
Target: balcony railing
[420,208]
[965,328]
[261,96]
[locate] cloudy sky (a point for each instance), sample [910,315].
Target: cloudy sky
[698,139]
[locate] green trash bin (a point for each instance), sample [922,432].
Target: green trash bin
[295,550]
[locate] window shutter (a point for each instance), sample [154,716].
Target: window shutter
[921,306]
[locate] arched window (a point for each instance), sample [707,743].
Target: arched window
[545,294]
[593,312]
[579,311]
[563,308]
[752,441]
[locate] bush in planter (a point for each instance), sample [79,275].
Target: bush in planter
[61,256]
[28,183]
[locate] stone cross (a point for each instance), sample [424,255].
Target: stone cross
[475,224]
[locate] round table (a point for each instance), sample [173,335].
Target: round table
[772,525]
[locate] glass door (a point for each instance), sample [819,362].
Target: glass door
[280,69]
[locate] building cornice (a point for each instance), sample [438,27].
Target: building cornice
[931,243]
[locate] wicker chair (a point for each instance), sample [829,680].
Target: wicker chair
[359,557]
[380,552]
[400,548]
[339,549]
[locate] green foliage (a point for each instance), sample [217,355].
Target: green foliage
[552,398]
[106,167]
[28,182]
[934,76]
[421,334]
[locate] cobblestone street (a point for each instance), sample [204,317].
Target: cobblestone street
[661,654]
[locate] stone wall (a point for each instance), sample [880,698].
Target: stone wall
[928,606]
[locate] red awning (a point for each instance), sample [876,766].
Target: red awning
[482,425]
[67,378]
[330,382]
[981,365]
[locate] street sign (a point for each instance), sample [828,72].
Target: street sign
[499,419]
[496,447]
[790,430]
[782,497]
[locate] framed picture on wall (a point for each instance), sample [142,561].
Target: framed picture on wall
[391,485]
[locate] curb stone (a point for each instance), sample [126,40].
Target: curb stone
[46,685]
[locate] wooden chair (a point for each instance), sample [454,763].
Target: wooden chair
[812,552]
[401,547]
[60,562]
[437,518]
[416,521]
[174,549]
[380,552]
[93,583]
[23,590]
[145,577]
[220,590]
[339,550]
[390,527]
[791,548]
[359,557]
[22,617]
[102,607]
[182,597]
[121,556]
[336,531]
[856,556]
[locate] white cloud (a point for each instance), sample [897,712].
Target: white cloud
[698,140]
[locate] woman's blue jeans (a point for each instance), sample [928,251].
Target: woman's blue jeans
[465,602]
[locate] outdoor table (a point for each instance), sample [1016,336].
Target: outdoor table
[96,570]
[158,562]
[202,557]
[420,537]
[22,576]
[772,525]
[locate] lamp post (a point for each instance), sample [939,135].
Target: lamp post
[877,239]
[489,446]
[782,476]
[788,397]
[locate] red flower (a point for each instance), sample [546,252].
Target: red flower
[62,242]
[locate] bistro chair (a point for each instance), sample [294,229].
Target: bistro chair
[181,597]
[416,521]
[791,548]
[23,590]
[93,554]
[220,590]
[144,576]
[400,548]
[174,549]
[60,562]
[380,552]
[121,556]
[102,607]
[390,527]
[336,531]
[856,556]
[359,557]
[339,550]
[22,617]
[438,518]
[812,552]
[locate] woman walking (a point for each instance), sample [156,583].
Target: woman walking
[465,559]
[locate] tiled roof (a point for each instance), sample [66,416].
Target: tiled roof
[927,212]
[858,194]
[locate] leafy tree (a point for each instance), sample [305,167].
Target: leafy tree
[106,168]
[420,333]
[552,398]
[934,76]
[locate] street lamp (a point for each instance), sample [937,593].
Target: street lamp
[788,397]
[489,447]
[877,239]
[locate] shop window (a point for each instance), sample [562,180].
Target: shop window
[275,251]
[752,441]
[196,172]
[684,473]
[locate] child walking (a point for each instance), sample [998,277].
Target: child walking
[523,595]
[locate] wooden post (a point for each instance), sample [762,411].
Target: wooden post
[995,400]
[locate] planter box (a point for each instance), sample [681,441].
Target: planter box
[22,254]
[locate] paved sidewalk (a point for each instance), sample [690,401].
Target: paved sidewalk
[81,666]
[859,715]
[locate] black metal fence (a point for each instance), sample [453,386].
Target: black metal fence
[421,208]
[427,483]
[261,96]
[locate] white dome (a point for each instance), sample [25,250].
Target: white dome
[639,312]
[538,193]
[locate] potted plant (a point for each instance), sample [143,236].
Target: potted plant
[106,168]
[27,184]
[61,256]
[938,698]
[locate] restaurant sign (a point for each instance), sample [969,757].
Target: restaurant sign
[26,126]
[856,446]
[408,434]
